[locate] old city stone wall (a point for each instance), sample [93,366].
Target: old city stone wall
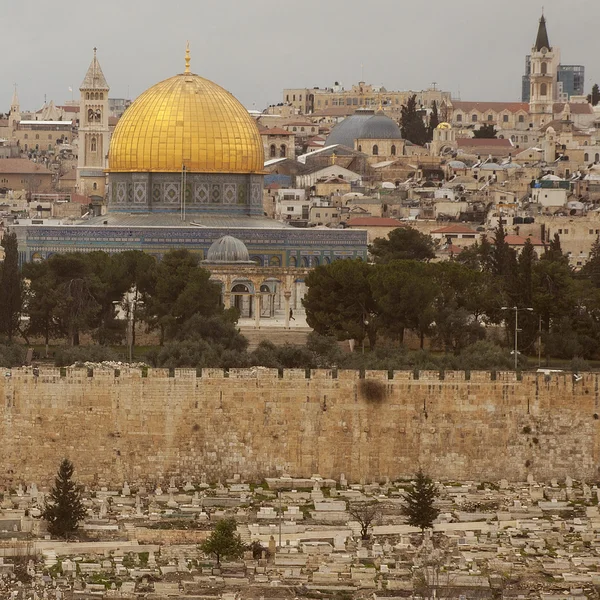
[135,426]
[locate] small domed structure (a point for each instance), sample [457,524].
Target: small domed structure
[444,125]
[228,250]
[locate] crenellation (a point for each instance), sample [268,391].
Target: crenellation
[377,375]
[454,376]
[429,375]
[480,376]
[185,373]
[403,376]
[321,374]
[294,374]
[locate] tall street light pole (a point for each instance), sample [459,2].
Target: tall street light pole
[516,309]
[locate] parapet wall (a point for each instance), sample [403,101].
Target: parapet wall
[147,426]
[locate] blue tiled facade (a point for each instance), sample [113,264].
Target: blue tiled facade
[286,247]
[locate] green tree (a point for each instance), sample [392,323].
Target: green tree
[180,289]
[224,542]
[591,269]
[486,131]
[419,502]
[413,127]
[594,97]
[139,270]
[339,301]
[11,287]
[434,121]
[404,243]
[41,301]
[405,293]
[65,509]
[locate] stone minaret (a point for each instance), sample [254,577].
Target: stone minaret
[544,77]
[94,134]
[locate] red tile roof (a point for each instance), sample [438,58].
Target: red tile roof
[483,143]
[274,131]
[375,222]
[519,240]
[454,229]
[493,106]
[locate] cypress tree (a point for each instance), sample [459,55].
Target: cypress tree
[65,508]
[413,127]
[419,501]
[11,287]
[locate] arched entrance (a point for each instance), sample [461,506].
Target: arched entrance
[243,295]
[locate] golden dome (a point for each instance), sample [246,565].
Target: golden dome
[444,125]
[186,121]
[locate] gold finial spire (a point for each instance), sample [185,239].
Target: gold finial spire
[187,59]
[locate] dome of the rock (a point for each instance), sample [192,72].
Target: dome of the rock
[186,145]
[186,121]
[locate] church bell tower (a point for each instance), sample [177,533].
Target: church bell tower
[94,134]
[544,77]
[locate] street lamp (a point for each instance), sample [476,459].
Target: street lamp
[516,309]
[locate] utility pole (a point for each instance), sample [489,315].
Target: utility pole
[516,350]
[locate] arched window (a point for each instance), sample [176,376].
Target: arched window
[586,157]
[273,151]
[293,262]
[597,157]
[375,150]
[93,145]
[544,89]
[282,151]
[359,148]
[87,95]
[95,186]
[393,150]
[101,95]
[37,136]
[544,68]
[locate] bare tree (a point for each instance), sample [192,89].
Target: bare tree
[365,513]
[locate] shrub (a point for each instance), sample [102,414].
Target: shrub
[11,355]
[80,354]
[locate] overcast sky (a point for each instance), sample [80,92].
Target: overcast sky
[255,48]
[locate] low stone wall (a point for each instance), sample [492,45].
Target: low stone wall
[147,426]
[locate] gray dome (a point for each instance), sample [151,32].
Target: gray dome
[348,130]
[364,124]
[380,127]
[228,250]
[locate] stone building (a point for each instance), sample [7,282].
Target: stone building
[278,143]
[94,134]
[22,174]
[186,168]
